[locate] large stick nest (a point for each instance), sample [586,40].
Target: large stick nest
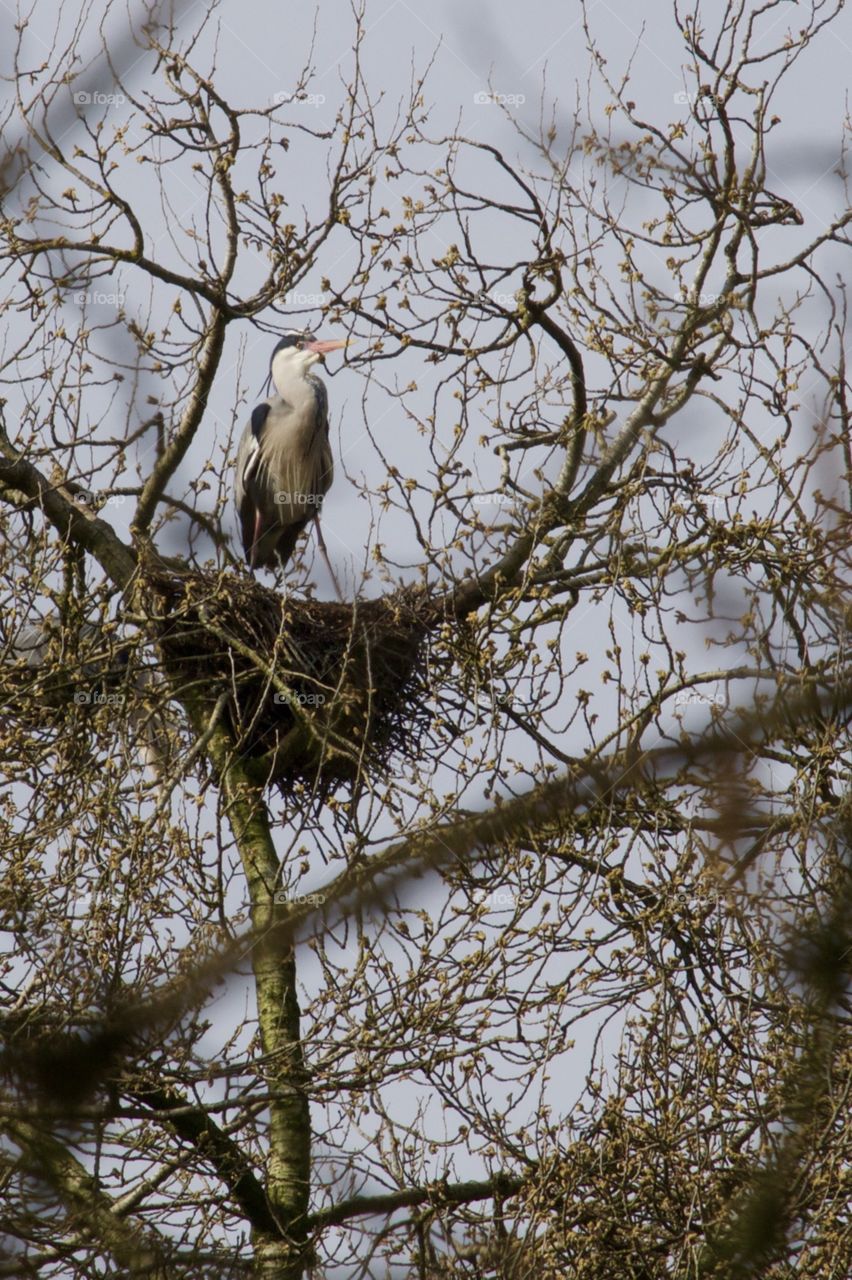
[317,691]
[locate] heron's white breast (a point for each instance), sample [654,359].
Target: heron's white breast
[295,460]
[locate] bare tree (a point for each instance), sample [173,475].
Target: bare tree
[496,922]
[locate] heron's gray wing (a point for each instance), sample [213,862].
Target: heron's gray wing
[248,456]
[324,461]
[259,414]
[321,398]
[325,470]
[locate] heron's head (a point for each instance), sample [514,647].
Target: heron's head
[295,353]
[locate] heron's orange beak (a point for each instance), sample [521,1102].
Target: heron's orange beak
[321,348]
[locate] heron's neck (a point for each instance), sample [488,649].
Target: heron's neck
[296,389]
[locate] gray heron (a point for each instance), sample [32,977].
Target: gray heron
[284,463]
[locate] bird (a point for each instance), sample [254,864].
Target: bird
[284,465]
